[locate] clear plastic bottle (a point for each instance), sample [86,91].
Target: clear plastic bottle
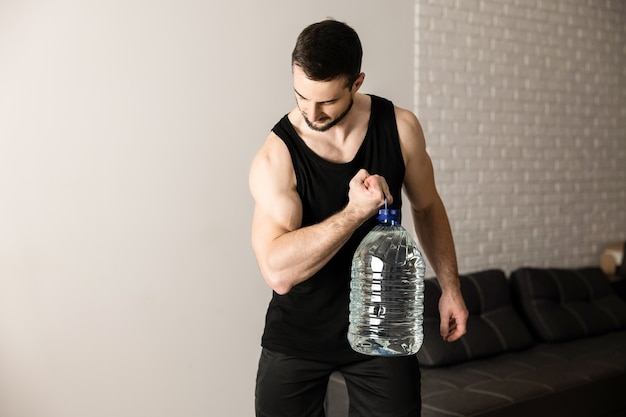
[387,291]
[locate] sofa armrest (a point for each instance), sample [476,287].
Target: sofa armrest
[493,326]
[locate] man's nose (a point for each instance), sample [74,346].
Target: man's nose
[314,112]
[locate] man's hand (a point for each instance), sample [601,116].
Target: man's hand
[453,315]
[368,193]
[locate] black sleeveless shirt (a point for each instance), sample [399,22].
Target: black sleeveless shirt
[311,321]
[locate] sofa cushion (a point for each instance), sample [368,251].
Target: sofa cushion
[566,304]
[493,325]
[583,377]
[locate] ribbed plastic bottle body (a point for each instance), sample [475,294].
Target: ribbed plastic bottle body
[387,293]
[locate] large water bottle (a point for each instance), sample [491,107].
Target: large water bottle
[387,291]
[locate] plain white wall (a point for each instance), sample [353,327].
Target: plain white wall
[127,283]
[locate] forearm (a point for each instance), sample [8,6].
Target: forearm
[289,254]
[297,255]
[433,231]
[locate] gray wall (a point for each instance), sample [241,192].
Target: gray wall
[127,283]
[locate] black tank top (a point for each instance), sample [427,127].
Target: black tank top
[311,321]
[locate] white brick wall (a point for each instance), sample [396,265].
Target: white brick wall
[523,103]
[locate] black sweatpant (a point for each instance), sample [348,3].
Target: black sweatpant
[378,386]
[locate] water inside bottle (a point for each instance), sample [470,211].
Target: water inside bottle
[386,298]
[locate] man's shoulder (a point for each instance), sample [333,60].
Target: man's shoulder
[272,148]
[409,130]
[402,113]
[271,164]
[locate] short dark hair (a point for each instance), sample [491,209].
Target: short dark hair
[327,50]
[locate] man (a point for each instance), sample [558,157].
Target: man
[318,182]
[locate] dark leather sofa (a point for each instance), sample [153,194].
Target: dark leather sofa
[544,342]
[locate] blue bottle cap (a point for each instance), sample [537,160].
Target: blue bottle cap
[388,215]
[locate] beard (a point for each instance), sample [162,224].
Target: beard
[334,122]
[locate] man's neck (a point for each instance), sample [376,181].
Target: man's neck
[341,142]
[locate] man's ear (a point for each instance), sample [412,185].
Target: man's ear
[358,82]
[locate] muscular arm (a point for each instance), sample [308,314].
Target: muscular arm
[431,224]
[287,253]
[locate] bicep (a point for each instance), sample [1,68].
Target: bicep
[277,206]
[272,220]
